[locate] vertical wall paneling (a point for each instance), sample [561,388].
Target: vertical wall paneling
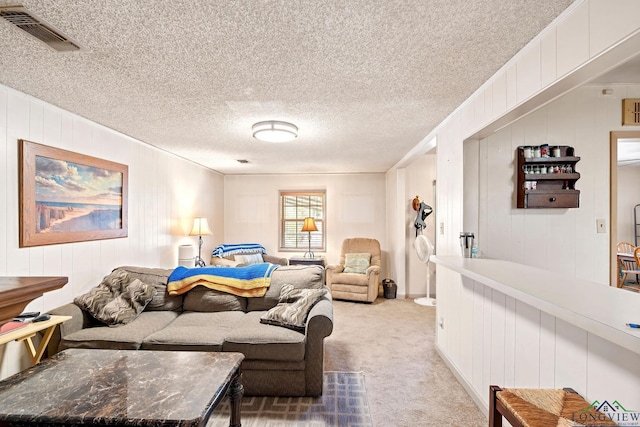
[611,373]
[487,333]
[547,350]
[498,338]
[157,182]
[528,72]
[561,240]
[478,335]
[339,188]
[573,39]
[490,338]
[510,342]
[499,93]
[458,323]
[548,58]
[610,21]
[527,355]
[539,349]
[571,357]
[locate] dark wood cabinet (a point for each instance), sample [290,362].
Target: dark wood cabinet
[547,182]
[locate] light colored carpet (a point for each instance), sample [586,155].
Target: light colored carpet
[392,341]
[343,403]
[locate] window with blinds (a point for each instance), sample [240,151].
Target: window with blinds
[294,208]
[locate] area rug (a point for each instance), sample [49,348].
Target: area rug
[343,403]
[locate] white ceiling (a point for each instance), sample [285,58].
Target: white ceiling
[364,80]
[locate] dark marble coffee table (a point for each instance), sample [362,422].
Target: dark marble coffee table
[124,388]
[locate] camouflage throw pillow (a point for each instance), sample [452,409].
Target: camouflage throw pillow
[293,308]
[116,301]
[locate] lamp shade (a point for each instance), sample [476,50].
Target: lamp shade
[200,227]
[275,131]
[309,225]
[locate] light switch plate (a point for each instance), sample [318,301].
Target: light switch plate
[601,226]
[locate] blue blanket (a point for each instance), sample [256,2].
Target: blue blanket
[249,281]
[225,250]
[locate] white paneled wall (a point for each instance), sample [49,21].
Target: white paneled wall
[562,240]
[491,338]
[355,207]
[165,192]
[419,176]
[495,339]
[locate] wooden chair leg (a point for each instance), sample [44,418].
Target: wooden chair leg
[495,418]
[622,279]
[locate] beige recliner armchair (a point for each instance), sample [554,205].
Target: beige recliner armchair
[357,276]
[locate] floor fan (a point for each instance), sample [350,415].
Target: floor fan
[424,250]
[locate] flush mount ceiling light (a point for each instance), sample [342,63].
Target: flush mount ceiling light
[274,131]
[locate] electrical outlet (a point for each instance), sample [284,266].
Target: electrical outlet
[601,226]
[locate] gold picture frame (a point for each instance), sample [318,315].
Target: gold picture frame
[69,197]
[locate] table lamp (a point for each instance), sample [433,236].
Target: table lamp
[309,226]
[200,228]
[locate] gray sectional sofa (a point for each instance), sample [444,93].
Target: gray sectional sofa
[278,361]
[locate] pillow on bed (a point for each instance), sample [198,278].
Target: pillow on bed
[356,262]
[293,308]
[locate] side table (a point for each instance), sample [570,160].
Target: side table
[307,261]
[29,330]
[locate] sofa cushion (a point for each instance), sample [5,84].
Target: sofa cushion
[258,341]
[300,276]
[157,277]
[357,262]
[210,300]
[293,308]
[117,300]
[355,279]
[126,337]
[194,331]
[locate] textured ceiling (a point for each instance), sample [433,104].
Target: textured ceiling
[364,80]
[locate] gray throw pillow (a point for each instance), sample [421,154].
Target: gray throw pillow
[294,307]
[115,301]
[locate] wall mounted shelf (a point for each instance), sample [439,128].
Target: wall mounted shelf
[539,188]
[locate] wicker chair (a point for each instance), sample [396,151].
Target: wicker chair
[524,407]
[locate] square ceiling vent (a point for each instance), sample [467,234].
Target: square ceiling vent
[36,27]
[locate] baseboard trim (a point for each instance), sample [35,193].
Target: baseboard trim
[479,401]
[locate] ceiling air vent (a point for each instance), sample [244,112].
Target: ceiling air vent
[27,21]
[631,111]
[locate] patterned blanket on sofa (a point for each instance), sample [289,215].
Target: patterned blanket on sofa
[226,250]
[249,281]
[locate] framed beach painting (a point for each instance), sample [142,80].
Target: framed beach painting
[69,197]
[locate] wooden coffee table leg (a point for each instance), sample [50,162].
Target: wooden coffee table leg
[236,390]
